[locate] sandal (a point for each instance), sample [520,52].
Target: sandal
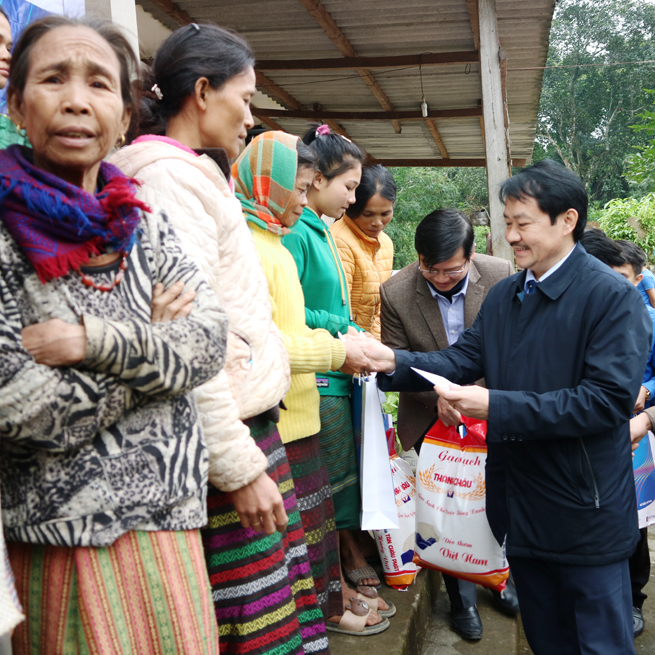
[371,598]
[353,621]
[362,573]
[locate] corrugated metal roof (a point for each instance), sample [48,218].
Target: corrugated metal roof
[284,29]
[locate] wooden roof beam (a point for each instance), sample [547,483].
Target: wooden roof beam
[277,92]
[439,163]
[323,18]
[475,21]
[335,127]
[267,121]
[287,99]
[171,9]
[323,115]
[432,126]
[354,63]
[494,123]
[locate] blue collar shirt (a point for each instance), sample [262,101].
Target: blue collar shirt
[452,311]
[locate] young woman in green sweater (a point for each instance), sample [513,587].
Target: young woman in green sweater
[327,305]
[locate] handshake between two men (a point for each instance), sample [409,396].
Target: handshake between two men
[365,354]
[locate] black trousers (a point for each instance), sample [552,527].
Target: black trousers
[640,570]
[462,594]
[575,610]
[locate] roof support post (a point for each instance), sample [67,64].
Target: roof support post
[494,123]
[120,12]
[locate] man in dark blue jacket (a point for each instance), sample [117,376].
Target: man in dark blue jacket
[562,346]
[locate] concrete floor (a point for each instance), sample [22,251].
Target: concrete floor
[504,636]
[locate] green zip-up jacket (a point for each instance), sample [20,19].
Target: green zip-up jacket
[325,288]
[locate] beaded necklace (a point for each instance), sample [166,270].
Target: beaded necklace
[89,282]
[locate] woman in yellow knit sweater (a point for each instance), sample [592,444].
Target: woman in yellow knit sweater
[271,179]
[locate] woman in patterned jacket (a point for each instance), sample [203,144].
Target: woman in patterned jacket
[103,468]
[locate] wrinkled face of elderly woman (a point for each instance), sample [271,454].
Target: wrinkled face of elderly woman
[72,107]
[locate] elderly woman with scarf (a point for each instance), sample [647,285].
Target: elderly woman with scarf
[271,178]
[102,462]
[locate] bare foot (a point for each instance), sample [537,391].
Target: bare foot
[371,592]
[352,559]
[350,602]
[373,618]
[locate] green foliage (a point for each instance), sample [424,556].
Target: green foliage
[421,191]
[641,169]
[481,232]
[586,111]
[614,221]
[391,405]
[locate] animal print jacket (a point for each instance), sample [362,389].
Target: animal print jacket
[113,444]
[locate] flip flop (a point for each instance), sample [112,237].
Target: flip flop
[366,594]
[362,573]
[355,624]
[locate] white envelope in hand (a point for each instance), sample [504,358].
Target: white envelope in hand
[436,380]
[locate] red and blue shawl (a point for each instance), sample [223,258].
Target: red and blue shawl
[57,225]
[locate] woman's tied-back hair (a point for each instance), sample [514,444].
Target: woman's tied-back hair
[20,60]
[375,179]
[335,153]
[188,54]
[306,156]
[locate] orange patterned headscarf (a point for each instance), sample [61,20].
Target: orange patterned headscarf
[264,178]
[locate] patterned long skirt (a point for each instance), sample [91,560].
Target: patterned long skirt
[262,585]
[338,447]
[146,593]
[315,502]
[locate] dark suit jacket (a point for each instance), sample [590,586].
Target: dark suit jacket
[564,366]
[411,320]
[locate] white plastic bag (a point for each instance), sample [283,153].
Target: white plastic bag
[452,531]
[396,547]
[378,501]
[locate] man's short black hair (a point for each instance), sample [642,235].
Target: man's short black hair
[555,188]
[600,246]
[633,255]
[441,234]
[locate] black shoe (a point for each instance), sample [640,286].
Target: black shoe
[637,621]
[467,623]
[507,601]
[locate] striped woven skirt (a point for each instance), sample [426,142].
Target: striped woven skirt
[146,593]
[262,586]
[338,447]
[315,502]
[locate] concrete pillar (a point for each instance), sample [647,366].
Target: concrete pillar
[495,136]
[121,12]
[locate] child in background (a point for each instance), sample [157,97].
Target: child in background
[647,288]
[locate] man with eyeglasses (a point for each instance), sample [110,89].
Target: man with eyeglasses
[425,307]
[562,346]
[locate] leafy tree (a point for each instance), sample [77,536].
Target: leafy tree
[586,111]
[641,169]
[421,191]
[615,216]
